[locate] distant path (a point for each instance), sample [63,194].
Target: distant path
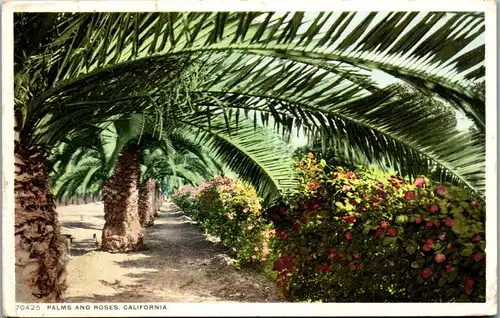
[177,264]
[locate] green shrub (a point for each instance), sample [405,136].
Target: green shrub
[354,236]
[231,210]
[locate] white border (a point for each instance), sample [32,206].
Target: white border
[247,309]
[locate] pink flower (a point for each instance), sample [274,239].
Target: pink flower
[437,224]
[418,220]
[439,258]
[433,208]
[249,227]
[256,249]
[449,268]
[355,256]
[441,237]
[478,256]
[384,224]
[469,282]
[310,155]
[348,236]
[349,219]
[254,257]
[426,248]
[410,196]
[420,182]
[346,188]
[245,210]
[449,222]
[428,224]
[426,273]
[441,190]
[429,241]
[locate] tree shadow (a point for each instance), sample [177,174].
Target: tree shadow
[82,225]
[178,264]
[79,248]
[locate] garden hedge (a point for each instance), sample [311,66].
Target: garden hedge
[352,236]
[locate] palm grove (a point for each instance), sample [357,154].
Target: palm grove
[124,103]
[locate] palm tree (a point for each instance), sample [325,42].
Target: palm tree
[309,72]
[114,158]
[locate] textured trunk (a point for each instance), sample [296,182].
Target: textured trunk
[146,203]
[40,255]
[122,231]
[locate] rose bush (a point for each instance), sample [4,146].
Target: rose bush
[353,236]
[231,210]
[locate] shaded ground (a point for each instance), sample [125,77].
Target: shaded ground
[177,263]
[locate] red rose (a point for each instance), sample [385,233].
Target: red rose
[475,204]
[310,155]
[478,256]
[283,235]
[332,253]
[391,232]
[469,282]
[418,220]
[384,224]
[433,208]
[382,194]
[441,190]
[425,273]
[284,262]
[410,196]
[437,224]
[429,241]
[439,258]
[428,224]
[420,182]
[349,219]
[353,266]
[348,236]
[426,248]
[355,256]
[379,233]
[449,222]
[449,268]
[312,185]
[476,238]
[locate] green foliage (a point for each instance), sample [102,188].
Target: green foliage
[231,210]
[308,71]
[369,236]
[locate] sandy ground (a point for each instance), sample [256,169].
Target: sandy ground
[177,264]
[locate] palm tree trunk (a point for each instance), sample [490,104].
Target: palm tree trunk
[146,203]
[39,248]
[156,201]
[122,231]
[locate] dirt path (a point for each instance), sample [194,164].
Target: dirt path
[177,264]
